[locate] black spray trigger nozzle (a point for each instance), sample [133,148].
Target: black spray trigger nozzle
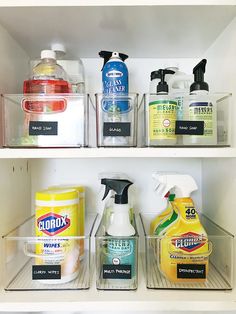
[106,55]
[119,186]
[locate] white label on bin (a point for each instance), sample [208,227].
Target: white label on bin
[43,128]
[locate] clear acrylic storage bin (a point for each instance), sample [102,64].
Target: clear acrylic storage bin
[116,260]
[59,120]
[116,118]
[27,269]
[212,270]
[199,120]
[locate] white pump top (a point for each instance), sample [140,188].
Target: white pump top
[48,54]
[182,184]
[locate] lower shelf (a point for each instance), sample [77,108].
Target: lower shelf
[142,299]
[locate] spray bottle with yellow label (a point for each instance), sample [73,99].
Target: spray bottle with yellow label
[184,248]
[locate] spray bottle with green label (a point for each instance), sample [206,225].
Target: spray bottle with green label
[162,112]
[120,251]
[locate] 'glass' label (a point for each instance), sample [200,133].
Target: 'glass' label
[116,128]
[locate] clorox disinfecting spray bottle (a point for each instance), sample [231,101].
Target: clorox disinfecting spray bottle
[115,104]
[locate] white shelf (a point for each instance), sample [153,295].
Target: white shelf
[24,3]
[141,300]
[31,153]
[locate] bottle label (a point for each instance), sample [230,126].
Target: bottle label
[120,253]
[202,111]
[162,118]
[115,82]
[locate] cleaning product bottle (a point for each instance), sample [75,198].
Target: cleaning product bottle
[179,84]
[106,206]
[115,104]
[162,114]
[47,77]
[200,107]
[120,252]
[184,248]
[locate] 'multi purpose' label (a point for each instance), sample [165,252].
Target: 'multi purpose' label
[116,271]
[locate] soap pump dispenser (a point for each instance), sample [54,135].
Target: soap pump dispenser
[162,114]
[201,107]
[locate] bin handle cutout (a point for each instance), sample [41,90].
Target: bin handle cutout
[43,105]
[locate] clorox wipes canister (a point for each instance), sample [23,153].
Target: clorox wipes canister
[57,217]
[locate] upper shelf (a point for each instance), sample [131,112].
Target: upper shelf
[151,29]
[10,153]
[19,3]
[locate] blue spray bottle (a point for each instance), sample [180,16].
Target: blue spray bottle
[115,104]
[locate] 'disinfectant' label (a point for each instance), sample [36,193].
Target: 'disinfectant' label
[162,118]
[190,271]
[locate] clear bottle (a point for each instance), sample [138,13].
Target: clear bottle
[73,68]
[162,111]
[200,107]
[47,77]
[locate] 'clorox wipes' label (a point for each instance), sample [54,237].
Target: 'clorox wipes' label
[184,248]
[57,216]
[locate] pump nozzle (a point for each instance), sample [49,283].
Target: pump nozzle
[106,55]
[120,187]
[198,72]
[183,184]
[162,85]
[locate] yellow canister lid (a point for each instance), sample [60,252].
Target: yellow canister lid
[79,188]
[56,195]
